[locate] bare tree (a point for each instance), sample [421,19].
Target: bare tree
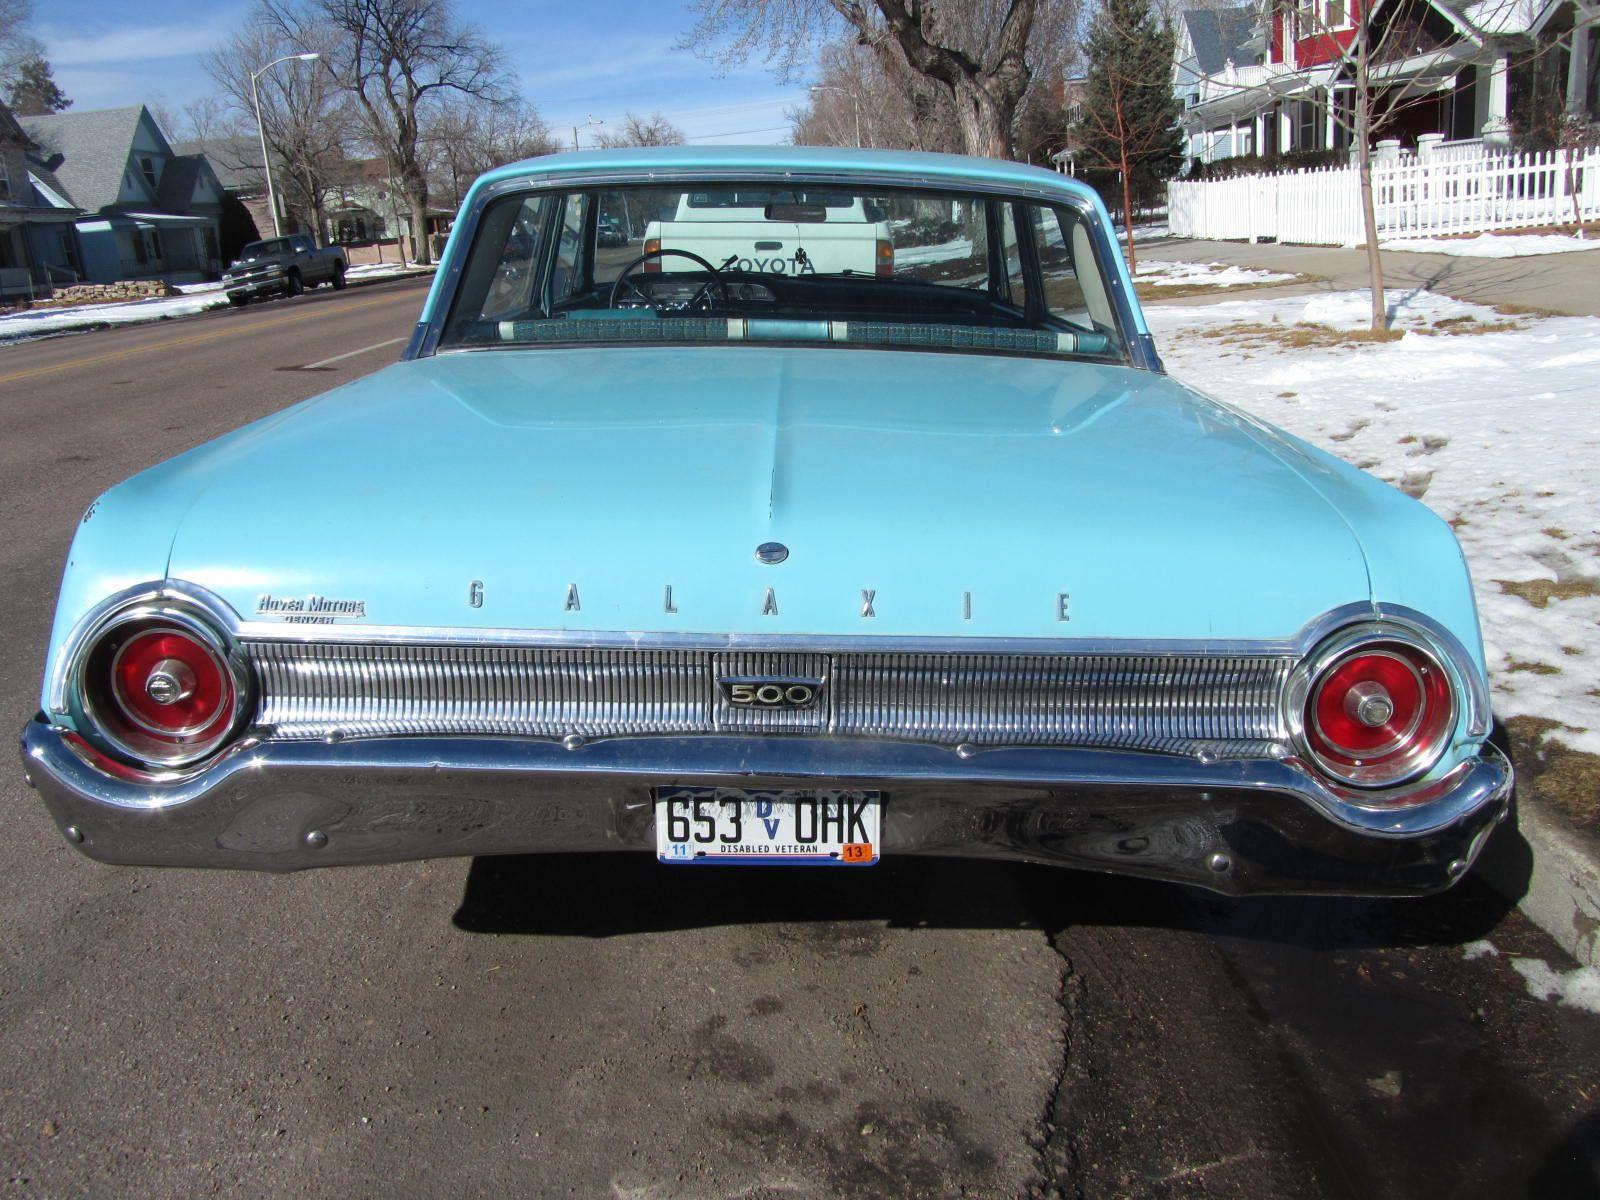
[465,139]
[205,121]
[18,46]
[985,77]
[876,95]
[654,130]
[398,58]
[306,119]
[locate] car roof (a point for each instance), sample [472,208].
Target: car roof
[912,166]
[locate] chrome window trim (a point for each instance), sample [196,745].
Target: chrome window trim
[1140,347]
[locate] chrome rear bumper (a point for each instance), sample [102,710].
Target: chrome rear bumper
[1231,826]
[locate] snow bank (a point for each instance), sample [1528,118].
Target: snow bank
[1165,273]
[379,270]
[39,321]
[916,256]
[1499,433]
[1496,245]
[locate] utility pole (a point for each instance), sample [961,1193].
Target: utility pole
[261,130]
[591,122]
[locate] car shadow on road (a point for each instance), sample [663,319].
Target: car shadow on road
[607,895]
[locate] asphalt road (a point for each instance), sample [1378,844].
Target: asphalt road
[601,1026]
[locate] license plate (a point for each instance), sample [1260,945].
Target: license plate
[697,826]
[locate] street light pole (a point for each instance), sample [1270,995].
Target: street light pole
[855,102]
[266,159]
[592,121]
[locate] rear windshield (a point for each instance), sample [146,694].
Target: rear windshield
[725,262]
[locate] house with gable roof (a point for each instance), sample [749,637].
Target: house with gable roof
[1269,78]
[144,210]
[38,241]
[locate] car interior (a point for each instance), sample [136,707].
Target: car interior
[732,262]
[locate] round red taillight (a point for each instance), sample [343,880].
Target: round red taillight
[160,690]
[1378,713]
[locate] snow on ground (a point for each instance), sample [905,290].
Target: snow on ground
[1579,988]
[1496,245]
[916,256]
[1498,432]
[192,298]
[36,322]
[378,270]
[1164,273]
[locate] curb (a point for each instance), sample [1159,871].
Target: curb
[1554,878]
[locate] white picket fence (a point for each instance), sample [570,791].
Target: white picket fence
[1414,197]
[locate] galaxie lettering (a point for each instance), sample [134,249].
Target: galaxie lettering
[1061,606]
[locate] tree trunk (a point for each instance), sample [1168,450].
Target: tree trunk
[421,252]
[1127,214]
[1369,212]
[985,124]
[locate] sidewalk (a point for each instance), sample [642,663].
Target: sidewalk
[1562,283]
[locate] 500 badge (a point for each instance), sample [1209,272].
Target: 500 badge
[771,693]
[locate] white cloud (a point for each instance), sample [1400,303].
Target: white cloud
[131,44]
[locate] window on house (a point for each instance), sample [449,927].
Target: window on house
[141,253]
[5,179]
[8,251]
[1307,126]
[1335,11]
[147,167]
[69,251]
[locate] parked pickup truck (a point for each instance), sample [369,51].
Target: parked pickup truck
[774,232]
[282,266]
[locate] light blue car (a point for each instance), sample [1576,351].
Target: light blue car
[803,564]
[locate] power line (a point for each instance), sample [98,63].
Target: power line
[737,133]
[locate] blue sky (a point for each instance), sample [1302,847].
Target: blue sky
[600,58]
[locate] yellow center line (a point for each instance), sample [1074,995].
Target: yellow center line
[210,336]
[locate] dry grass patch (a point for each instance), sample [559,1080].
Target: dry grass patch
[1539,592]
[1507,309]
[1565,779]
[1532,668]
[1306,336]
[1469,324]
[1297,337]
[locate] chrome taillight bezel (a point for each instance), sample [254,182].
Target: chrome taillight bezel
[90,698]
[1427,746]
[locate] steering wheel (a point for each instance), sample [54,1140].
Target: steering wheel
[714,282]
